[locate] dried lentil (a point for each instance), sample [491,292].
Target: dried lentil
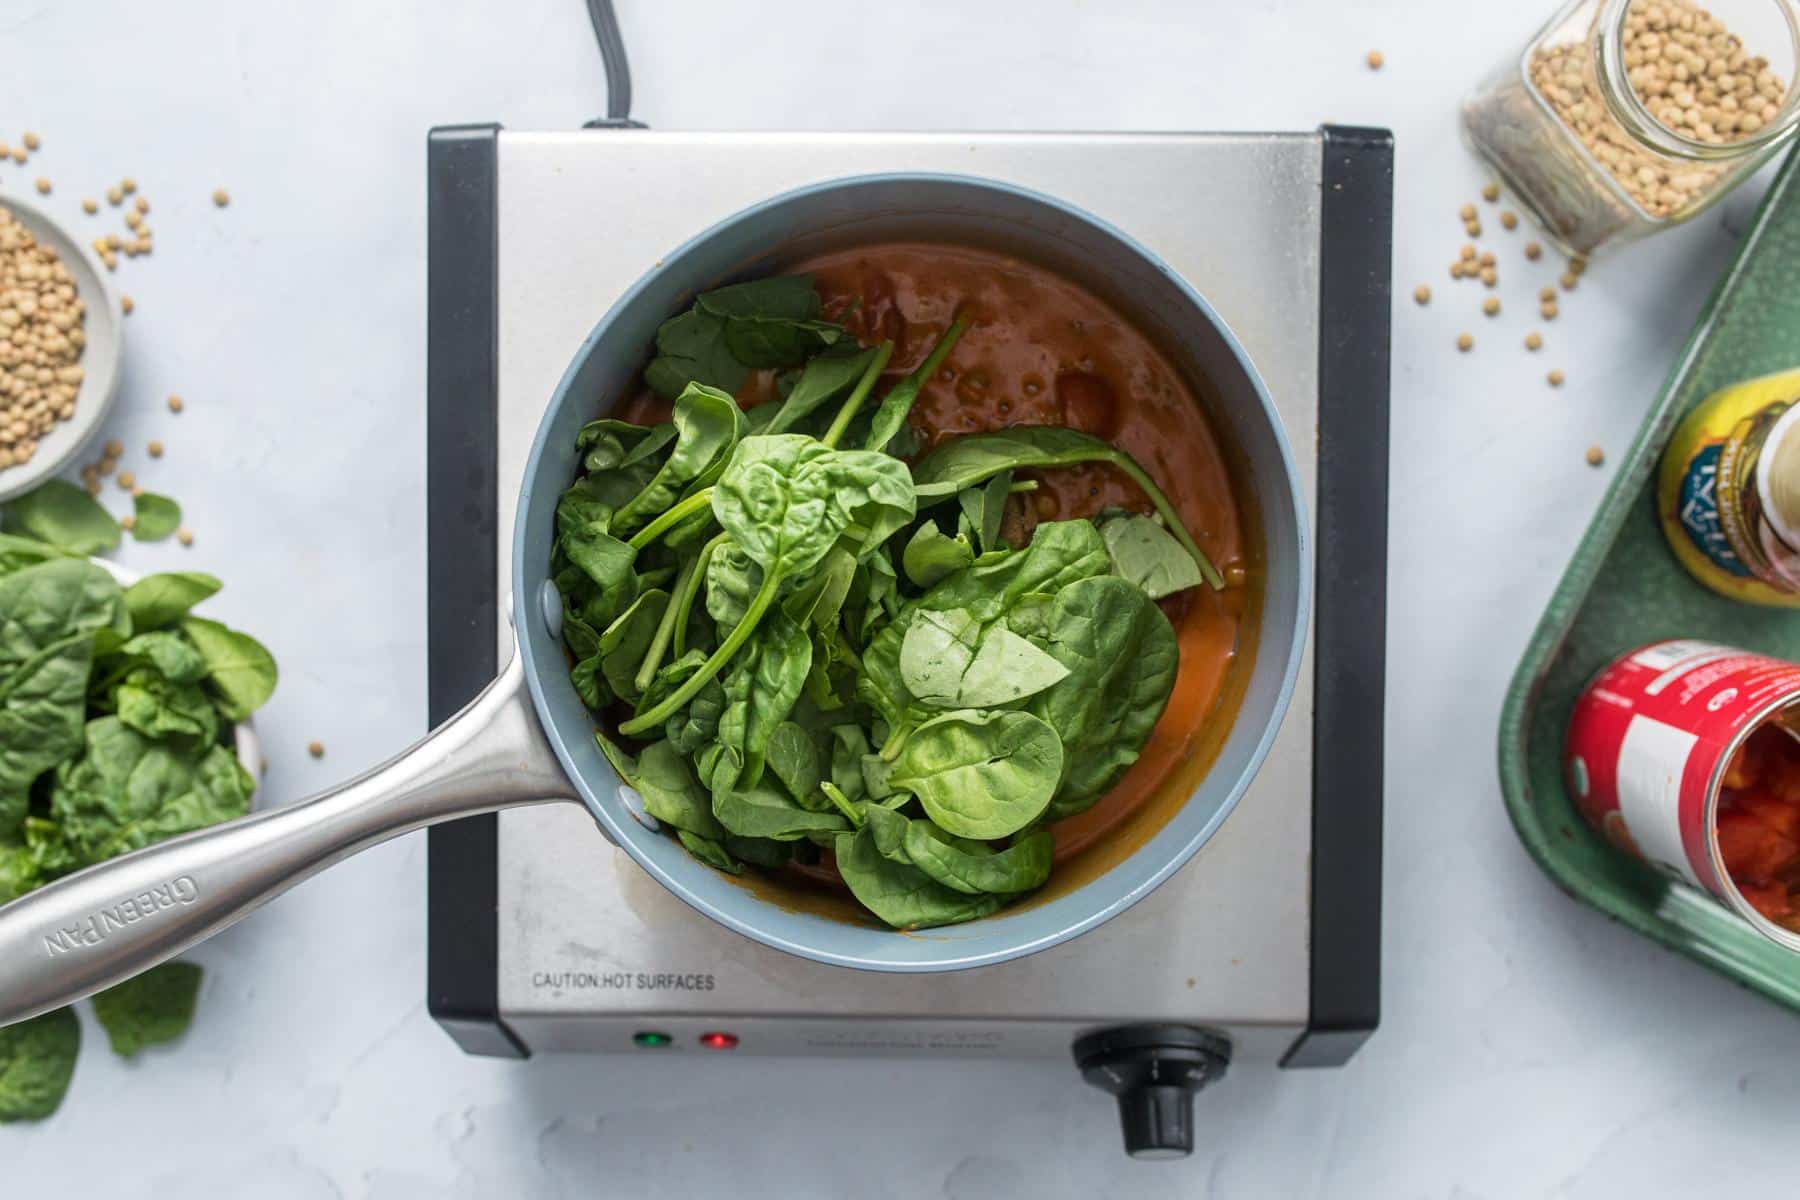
[185,536]
[1548,311]
[1491,192]
[142,205]
[1490,276]
[43,186]
[1488,260]
[114,196]
[1466,212]
[221,197]
[128,185]
[126,304]
[90,206]
[1491,306]
[128,522]
[1375,58]
[1422,294]
[1509,219]
[1595,456]
[155,448]
[174,404]
[1534,341]
[1555,377]
[1472,228]
[1533,251]
[316,749]
[127,480]
[1465,342]
[1569,280]
[19,156]
[32,141]
[1467,252]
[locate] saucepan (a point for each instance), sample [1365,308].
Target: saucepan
[527,739]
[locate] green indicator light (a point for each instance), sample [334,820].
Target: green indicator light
[651,1039]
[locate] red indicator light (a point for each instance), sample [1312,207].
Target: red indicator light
[718,1041]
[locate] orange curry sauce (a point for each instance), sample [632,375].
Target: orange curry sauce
[1043,351]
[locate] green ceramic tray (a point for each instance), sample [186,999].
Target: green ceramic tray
[1624,588]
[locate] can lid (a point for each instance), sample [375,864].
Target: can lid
[1778,482]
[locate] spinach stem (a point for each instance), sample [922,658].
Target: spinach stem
[843,804]
[665,630]
[671,518]
[890,749]
[898,402]
[684,599]
[1170,517]
[690,687]
[859,394]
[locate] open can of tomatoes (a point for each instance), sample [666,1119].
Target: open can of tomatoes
[1680,754]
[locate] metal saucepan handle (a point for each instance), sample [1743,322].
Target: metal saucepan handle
[105,924]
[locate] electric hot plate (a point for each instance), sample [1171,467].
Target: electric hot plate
[1265,948]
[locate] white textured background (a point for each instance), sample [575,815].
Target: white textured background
[1528,1048]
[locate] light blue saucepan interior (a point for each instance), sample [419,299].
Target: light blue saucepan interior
[984,213]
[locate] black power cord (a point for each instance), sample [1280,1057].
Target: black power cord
[618,70]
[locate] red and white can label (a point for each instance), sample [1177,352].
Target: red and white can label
[1648,740]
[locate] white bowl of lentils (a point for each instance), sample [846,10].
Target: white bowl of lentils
[61,334]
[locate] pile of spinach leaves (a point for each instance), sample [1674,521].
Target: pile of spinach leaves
[807,647]
[117,708]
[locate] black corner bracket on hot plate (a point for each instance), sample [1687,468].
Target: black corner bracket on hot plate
[1350,605]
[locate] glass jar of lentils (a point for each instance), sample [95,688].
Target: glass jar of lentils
[1623,117]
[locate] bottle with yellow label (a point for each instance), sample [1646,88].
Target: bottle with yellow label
[1729,491]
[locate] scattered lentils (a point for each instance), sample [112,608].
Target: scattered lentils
[126,304]
[1533,251]
[43,186]
[1466,212]
[141,204]
[19,155]
[1595,456]
[1548,310]
[1422,294]
[114,196]
[33,141]
[174,404]
[1491,192]
[1555,377]
[185,536]
[1509,219]
[1468,253]
[316,749]
[1534,341]
[1491,306]
[128,185]
[1472,228]
[1569,280]
[90,206]
[155,448]
[1465,342]
[128,522]
[1490,276]
[221,197]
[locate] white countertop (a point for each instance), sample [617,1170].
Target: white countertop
[1528,1047]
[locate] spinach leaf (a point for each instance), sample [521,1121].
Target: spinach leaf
[170,653]
[848,746]
[710,852]
[50,615]
[17,552]
[661,776]
[1122,658]
[607,444]
[149,1009]
[127,791]
[691,349]
[984,508]
[763,812]
[732,581]
[975,867]
[771,322]
[708,423]
[947,660]
[159,600]
[158,707]
[824,380]
[930,555]
[890,418]
[786,499]
[623,646]
[1143,553]
[761,852]
[156,517]
[760,691]
[902,895]
[37,1059]
[60,513]
[981,774]
[968,461]
[240,669]
[889,828]
[794,757]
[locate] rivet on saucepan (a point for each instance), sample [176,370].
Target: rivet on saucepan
[551,600]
